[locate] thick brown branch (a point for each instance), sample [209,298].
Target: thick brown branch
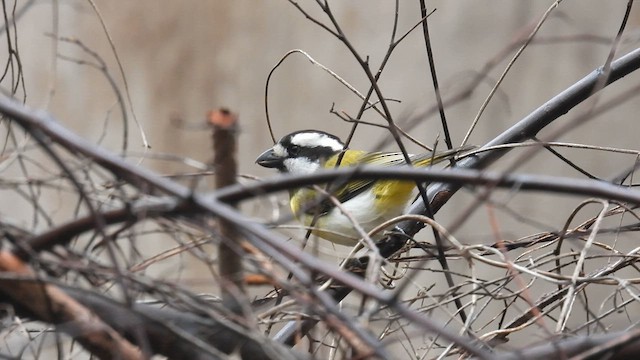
[50,304]
[225,127]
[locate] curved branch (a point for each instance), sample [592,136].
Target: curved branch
[275,246]
[440,193]
[530,126]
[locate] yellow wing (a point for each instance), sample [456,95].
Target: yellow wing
[344,190]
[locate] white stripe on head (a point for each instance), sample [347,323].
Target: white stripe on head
[317,139]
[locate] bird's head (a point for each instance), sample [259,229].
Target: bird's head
[301,152]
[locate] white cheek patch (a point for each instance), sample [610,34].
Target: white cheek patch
[300,166]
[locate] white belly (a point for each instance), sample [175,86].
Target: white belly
[337,227]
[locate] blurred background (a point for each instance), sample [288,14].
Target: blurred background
[181,59]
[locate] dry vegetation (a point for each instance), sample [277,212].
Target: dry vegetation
[79,262]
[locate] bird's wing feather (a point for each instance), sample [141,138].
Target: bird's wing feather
[341,191]
[346,191]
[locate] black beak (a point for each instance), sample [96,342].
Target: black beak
[269,159]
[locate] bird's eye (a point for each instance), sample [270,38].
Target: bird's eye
[294,150]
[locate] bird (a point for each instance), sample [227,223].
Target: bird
[369,202]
